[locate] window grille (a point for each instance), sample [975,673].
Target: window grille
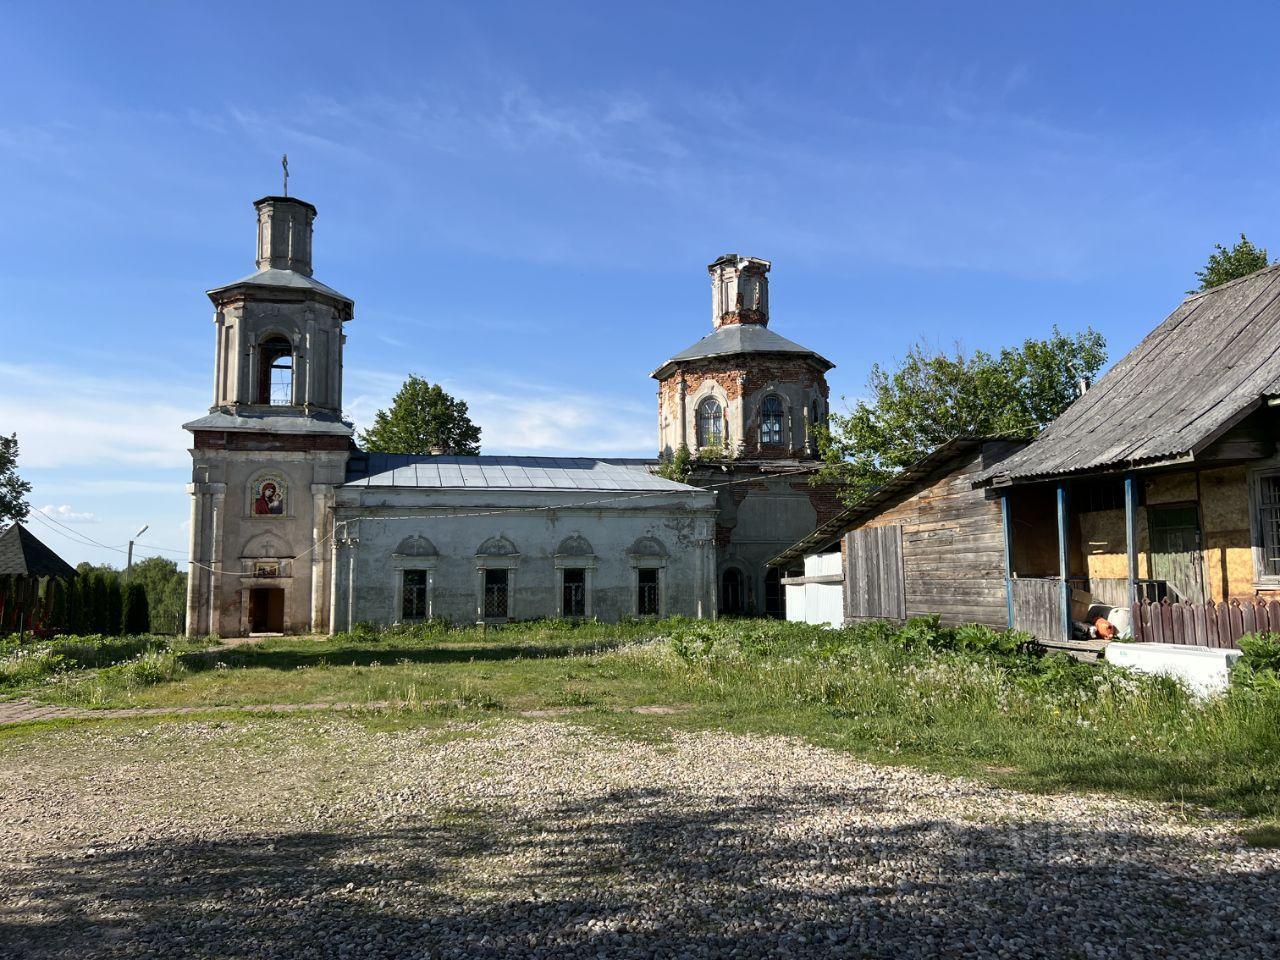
[1269,523]
[414,589]
[575,593]
[771,420]
[710,423]
[647,601]
[495,594]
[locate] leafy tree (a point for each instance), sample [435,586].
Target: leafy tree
[423,419]
[13,489]
[935,396]
[136,617]
[166,590]
[679,467]
[1224,265]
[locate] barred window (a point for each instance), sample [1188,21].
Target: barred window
[647,601]
[495,593]
[575,592]
[414,603]
[1269,523]
[771,420]
[710,423]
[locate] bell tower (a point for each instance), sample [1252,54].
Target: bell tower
[267,457]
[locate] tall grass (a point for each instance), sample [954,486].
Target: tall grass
[956,700]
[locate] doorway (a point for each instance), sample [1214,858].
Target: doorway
[1175,549]
[732,592]
[775,601]
[266,610]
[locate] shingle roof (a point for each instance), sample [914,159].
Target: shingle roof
[510,473]
[23,555]
[289,279]
[735,338]
[1212,361]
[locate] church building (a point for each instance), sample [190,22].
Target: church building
[294,529]
[745,400]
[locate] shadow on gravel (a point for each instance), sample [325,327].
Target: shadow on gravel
[646,873]
[363,656]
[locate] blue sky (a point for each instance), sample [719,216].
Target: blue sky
[522,199]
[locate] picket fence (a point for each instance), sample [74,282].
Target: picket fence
[1204,624]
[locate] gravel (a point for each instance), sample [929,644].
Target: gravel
[319,837]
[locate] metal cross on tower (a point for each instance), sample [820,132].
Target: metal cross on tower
[284,162]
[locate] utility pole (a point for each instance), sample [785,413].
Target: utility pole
[129,565]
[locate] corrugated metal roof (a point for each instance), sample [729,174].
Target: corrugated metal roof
[1210,363]
[737,338]
[937,459]
[509,473]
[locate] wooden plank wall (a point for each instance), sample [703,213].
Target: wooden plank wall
[952,547]
[874,586]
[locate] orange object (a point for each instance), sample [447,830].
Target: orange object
[1106,629]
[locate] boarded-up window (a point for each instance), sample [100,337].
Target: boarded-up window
[874,586]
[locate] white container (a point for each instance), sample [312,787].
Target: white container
[1206,670]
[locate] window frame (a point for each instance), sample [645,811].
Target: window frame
[721,432]
[772,422]
[1262,579]
[641,572]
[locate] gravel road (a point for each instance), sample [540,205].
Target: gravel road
[320,837]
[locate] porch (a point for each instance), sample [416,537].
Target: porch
[1166,557]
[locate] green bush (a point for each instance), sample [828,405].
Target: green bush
[1261,651]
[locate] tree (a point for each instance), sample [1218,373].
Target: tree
[13,489]
[933,397]
[166,590]
[1224,265]
[136,618]
[423,419]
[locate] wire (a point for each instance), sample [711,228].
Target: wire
[501,511]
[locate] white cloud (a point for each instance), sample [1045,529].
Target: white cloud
[66,418]
[65,514]
[529,418]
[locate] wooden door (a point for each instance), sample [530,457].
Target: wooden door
[874,585]
[1175,549]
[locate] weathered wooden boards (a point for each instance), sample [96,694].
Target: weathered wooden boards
[1036,607]
[874,574]
[950,546]
[1204,624]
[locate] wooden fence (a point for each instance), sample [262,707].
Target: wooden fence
[1204,624]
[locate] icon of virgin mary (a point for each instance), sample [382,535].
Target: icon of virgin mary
[269,501]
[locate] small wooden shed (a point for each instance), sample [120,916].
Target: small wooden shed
[926,542]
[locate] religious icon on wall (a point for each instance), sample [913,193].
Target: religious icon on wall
[266,569]
[268,497]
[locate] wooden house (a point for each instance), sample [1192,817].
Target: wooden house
[1159,488]
[927,542]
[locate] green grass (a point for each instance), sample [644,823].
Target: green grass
[968,702]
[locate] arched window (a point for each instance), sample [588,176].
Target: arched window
[710,423]
[275,372]
[771,420]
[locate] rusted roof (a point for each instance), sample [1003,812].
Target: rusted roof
[1212,361]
